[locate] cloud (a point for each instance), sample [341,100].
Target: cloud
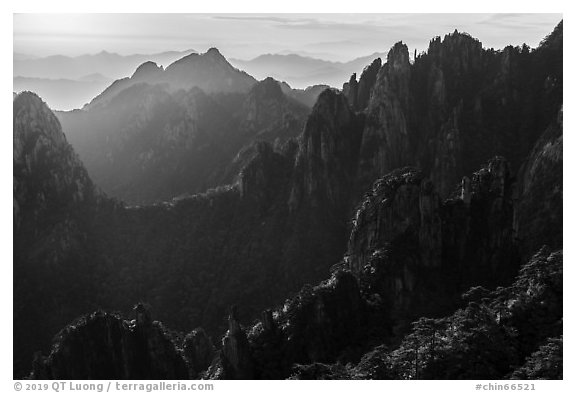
[306,23]
[274,19]
[524,20]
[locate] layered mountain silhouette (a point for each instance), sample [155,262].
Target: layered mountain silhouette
[302,71]
[64,94]
[112,65]
[426,195]
[144,141]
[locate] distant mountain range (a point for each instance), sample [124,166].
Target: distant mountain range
[64,94]
[182,129]
[302,71]
[111,65]
[67,83]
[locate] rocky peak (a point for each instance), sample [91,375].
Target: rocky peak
[235,357]
[331,107]
[367,81]
[209,71]
[385,140]
[198,350]
[105,346]
[398,57]
[267,89]
[269,114]
[263,175]
[32,116]
[147,71]
[350,90]
[214,53]
[458,53]
[49,175]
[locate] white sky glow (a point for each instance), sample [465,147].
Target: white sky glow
[331,36]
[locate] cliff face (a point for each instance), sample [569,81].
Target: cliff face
[404,235]
[539,215]
[328,149]
[384,145]
[54,201]
[455,107]
[358,92]
[48,176]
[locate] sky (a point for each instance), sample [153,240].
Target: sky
[336,37]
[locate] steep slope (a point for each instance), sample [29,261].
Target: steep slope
[539,217]
[149,144]
[209,71]
[457,106]
[203,248]
[404,247]
[54,201]
[488,338]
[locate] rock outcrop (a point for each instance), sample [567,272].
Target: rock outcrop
[385,139]
[105,346]
[366,83]
[236,358]
[147,71]
[199,350]
[404,235]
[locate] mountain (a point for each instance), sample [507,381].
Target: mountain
[302,71]
[209,72]
[63,94]
[112,65]
[147,143]
[426,237]
[67,83]
[23,56]
[307,96]
[54,204]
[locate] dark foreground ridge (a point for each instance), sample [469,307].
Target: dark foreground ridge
[381,313]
